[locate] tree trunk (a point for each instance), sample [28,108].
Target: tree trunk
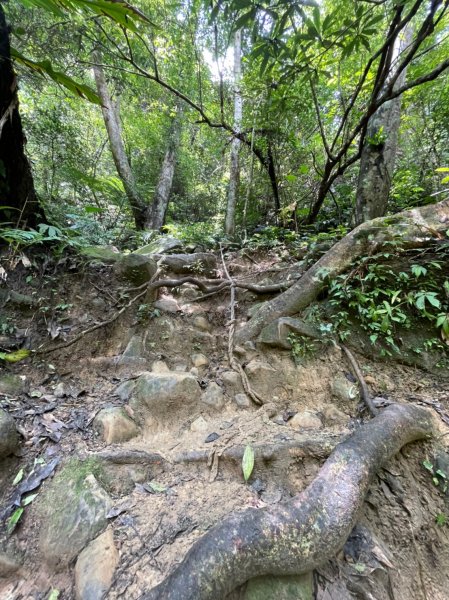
[414,227]
[379,150]
[234,177]
[114,130]
[155,217]
[18,202]
[300,534]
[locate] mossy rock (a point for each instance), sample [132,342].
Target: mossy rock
[9,438]
[136,268]
[72,511]
[104,254]
[294,587]
[11,385]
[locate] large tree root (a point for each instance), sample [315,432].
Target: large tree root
[413,228]
[298,535]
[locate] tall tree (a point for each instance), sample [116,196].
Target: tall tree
[18,201]
[113,127]
[380,146]
[234,177]
[155,214]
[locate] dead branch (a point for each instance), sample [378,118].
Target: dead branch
[364,391]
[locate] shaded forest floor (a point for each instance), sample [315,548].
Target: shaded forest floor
[182,472]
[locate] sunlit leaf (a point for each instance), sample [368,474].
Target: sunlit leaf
[248,462]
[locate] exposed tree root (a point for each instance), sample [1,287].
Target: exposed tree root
[298,535]
[413,228]
[234,363]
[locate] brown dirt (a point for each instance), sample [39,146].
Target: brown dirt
[156,530]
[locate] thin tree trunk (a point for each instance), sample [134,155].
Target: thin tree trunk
[379,149]
[155,217]
[234,178]
[113,127]
[18,201]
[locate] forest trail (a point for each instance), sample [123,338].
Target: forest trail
[142,426]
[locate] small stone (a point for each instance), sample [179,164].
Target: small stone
[115,426]
[180,368]
[213,396]
[242,400]
[212,437]
[232,382]
[305,420]
[9,439]
[98,302]
[167,305]
[8,566]
[159,366]
[199,360]
[199,425]
[201,323]
[370,379]
[344,390]
[11,385]
[95,567]
[194,371]
[333,416]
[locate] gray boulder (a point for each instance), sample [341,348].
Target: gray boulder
[9,438]
[159,394]
[136,268]
[73,512]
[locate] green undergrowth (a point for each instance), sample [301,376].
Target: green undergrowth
[392,291]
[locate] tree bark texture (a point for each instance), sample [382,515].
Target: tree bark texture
[114,130]
[414,228]
[300,534]
[379,150]
[234,176]
[16,180]
[155,217]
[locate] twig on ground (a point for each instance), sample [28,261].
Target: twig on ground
[364,391]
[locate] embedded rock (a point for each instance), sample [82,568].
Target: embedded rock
[213,396]
[305,420]
[11,385]
[201,323]
[242,400]
[9,438]
[95,567]
[343,389]
[114,425]
[199,360]
[136,268]
[74,509]
[158,394]
[167,305]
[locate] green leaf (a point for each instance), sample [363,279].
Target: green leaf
[13,357]
[18,477]
[45,68]
[54,594]
[13,520]
[157,487]
[248,462]
[29,499]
